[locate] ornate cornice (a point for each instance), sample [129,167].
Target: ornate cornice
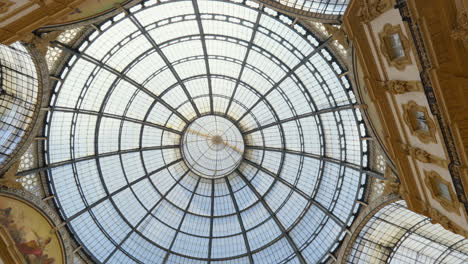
[455,165]
[438,218]
[424,156]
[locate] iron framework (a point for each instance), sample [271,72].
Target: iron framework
[130,89]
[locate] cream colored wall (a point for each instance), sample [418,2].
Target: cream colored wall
[18,9]
[393,17]
[396,101]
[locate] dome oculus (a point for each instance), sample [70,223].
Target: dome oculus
[205,132]
[212,146]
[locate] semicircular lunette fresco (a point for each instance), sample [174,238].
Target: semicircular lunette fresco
[28,233]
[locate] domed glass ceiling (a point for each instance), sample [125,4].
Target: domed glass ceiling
[19,90]
[322,9]
[205,132]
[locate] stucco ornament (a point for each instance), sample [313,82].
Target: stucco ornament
[371,9]
[338,34]
[5,5]
[424,156]
[401,87]
[461,31]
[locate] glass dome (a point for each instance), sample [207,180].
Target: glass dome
[394,234]
[20,88]
[320,9]
[205,132]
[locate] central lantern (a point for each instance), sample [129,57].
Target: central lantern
[212,146]
[205,132]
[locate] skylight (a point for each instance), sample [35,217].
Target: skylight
[205,132]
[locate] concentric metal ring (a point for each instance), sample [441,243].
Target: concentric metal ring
[126,99]
[212,147]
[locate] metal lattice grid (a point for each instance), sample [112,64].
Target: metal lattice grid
[19,91]
[331,10]
[397,235]
[126,101]
[212,146]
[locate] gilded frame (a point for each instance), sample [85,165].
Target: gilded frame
[432,180]
[409,111]
[402,62]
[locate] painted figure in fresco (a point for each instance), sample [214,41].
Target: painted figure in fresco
[32,250]
[35,248]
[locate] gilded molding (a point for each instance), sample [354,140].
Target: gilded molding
[5,5]
[410,109]
[422,53]
[438,218]
[8,251]
[338,34]
[401,62]
[433,180]
[392,185]
[46,210]
[41,3]
[371,9]
[401,87]
[461,31]
[8,179]
[424,156]
[42,43]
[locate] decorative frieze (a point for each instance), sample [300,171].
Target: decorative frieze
[401,87]
[446,132]
[424,156]
[438,218]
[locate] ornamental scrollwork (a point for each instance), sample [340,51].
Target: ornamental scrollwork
[401,87]
[370,9]
[424,156]
[461,31]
